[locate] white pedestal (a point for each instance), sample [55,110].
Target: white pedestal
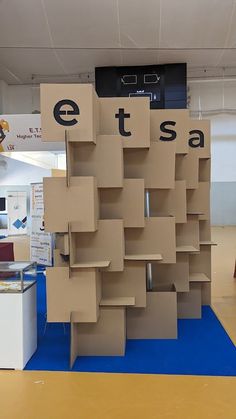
[18,328]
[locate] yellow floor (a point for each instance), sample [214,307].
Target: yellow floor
[48,395]
[223,282]
[39,395]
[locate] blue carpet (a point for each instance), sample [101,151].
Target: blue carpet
[202,348]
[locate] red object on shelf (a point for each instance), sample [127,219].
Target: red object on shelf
[6,252]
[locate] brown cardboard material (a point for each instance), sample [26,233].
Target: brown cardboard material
[126,203]
[205,231]
[169,202]
[103,160]
[62,243]
[203,125]
[158,320]
[182,122]
[201,262]
[187,234]
[187,168]
[138,122]
[175,273]
[155,165]
[58,259]
[86,125]
[107,337]
[189,303]
[130,283]
[204,170]
[80,293]
[64,205]
[198,200]
[157,237]
[105,244]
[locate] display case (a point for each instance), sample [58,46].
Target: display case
[14,276]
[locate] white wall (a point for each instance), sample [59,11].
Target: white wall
[14,172]
[19,99]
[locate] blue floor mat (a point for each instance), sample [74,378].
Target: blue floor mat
[202,348]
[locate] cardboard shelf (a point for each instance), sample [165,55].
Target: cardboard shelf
[117,301]
[198,277]
[155,257]
[207,243]
[194,213]
[186,249]
[94,264]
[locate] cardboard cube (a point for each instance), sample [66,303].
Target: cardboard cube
[157,237]
[189,304]
[187,234]
[103,160]
[200,138]
[198,201]
[158,320]
[187,168]
[69,107]
[171,125]
[128,117]
[156,165]
[173,273]
[63,205]
[107,337]
[131,282]
[79,293]
[126,203]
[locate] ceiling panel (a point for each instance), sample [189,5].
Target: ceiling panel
[23,23]
[141,57]
[87,23]
[139,23]
[193,58]
[195,23]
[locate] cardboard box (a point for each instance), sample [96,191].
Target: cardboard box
[187,168]
[189,303]
[105,244]
[129,283]
[169,202]
[136,123]
[103,160]
[107,337]
[187,234]
[59,260]
[200,138]
[204,170]
[62,243]
[174,273]
[63,205]
[157,237]
[198,201]
[205,231]
[201,262]
[180,123]
[79,293]
[158,320]
[155,165]
[73,104]
[126,203]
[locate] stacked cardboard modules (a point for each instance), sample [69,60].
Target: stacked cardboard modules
[131,218]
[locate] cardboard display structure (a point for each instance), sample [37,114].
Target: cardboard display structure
[132,218]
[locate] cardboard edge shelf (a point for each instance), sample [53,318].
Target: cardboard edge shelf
[144,257]
[187,249]
[95,264]
[198,277]
[117,301]
[207,243]
[195,213]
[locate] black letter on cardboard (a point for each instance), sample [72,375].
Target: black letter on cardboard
[57,112]
[199,139]
[168,131]
[121,115]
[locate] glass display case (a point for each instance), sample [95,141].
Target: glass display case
[17,277]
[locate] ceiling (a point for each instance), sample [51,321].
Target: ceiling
[58,40]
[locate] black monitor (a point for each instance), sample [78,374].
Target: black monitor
[2,204]
[165,85]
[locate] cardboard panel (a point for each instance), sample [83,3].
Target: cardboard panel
[129,283]
[169,202]
[107,337]
[198,200]
[205,231]
[62,243]
[104,160]
[189,303]
[155,165]
[106,244]
[63,205]
[180,122]
[157,237]
[136,123]
[206,293]
[201,262]
[204,170]
[175,273]
[81,293]
[126,203]
[157,321]
[85,118]
[187,168]
[187,234]
[59,260]
[202,145]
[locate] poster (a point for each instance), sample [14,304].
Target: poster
[40,241]
[17,213]
[23,133]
